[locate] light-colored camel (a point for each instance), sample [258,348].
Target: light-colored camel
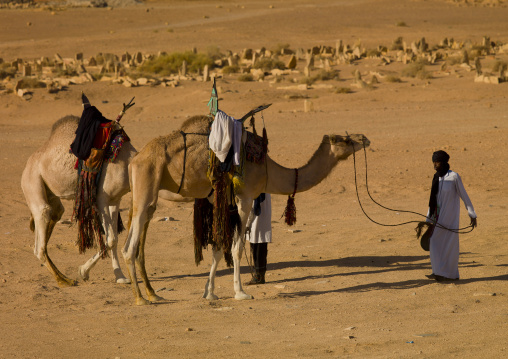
[49,176]
[159,165]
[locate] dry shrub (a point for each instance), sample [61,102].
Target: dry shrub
[245,78]
[68,72]
[267,64]
[6,71]
[392,78]
[230,69]
[401,24]
[170,63]
[416,70]
[322,75]
[31,83]
[373,53]
[344,90]
[325,75]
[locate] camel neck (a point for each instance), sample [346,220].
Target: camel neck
[281,180]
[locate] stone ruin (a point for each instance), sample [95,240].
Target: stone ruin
[59,72]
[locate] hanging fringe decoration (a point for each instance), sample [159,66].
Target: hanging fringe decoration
[290,211]
[222,232]
[222,235]
[203,227]
[85,212]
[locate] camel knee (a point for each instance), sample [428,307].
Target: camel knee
[112,241]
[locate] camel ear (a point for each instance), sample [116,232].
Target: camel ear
[333,139]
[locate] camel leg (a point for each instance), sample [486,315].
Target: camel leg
[140,260]
[244,208]
[237,257]
[129,254]
[45,219]
[142,212]
[210,284]
[110,225]
[113,246]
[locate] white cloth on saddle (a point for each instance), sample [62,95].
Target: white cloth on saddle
[225,132]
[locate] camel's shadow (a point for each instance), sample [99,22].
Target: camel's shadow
[368,264]
[386,263]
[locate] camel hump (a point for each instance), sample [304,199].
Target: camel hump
[196,124]
[65,123]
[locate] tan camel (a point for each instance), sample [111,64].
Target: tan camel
[49,176]
[159,166]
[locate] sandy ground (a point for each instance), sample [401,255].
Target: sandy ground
[341,286]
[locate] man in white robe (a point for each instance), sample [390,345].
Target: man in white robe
[259,235]
[444,244]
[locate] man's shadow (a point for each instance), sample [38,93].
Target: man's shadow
[368,265]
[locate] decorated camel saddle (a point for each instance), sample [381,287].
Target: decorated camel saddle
[98,141]
[230,145]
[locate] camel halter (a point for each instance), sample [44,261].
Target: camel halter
[458,230]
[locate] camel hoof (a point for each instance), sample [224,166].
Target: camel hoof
[142,301]
[83,274]
[123,280]
[210,297]
[120,278]
[66,282]
[155,298]
[243,296]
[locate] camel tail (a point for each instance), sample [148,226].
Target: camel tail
[32,223]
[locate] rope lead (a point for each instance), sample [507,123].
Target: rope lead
[459,230]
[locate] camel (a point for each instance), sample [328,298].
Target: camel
[49,176]
[159,165]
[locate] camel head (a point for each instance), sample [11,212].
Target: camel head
[344,146]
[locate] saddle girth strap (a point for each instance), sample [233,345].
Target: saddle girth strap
[184,135]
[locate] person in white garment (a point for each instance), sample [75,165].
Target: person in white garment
[259,234]
[444,207]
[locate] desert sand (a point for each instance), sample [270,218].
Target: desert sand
[338,285]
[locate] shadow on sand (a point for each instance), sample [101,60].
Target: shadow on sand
[365,265]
